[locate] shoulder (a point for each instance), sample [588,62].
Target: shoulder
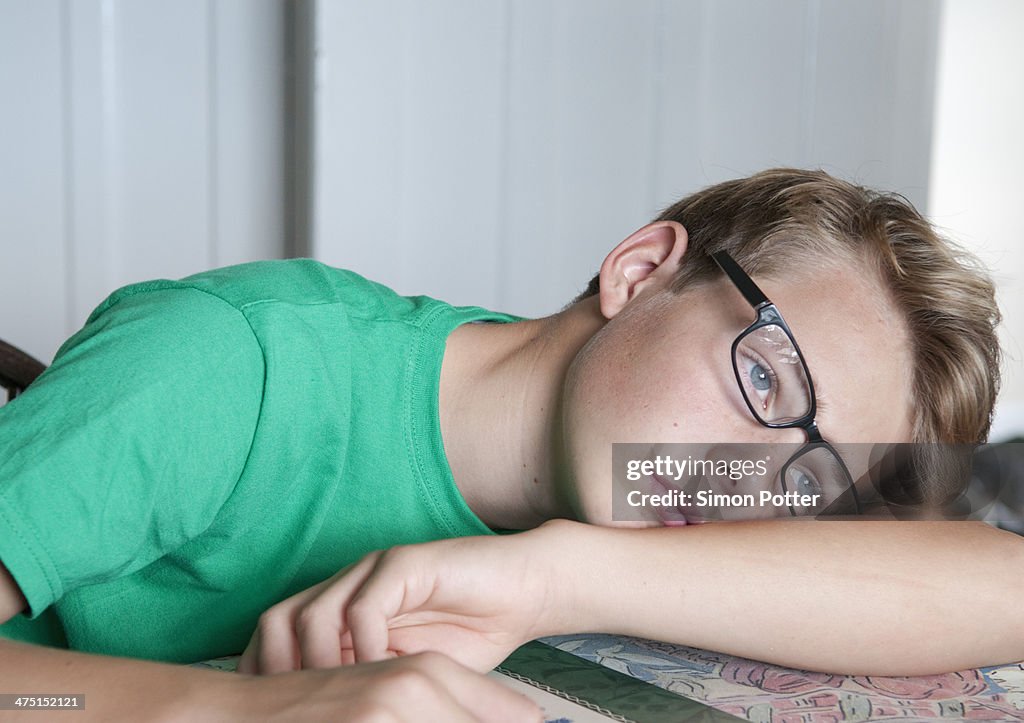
[295,282]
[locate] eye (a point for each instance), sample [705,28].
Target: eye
[759,380]
[802,482]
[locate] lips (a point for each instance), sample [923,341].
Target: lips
[678,516]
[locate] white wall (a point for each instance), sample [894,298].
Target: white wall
[138,139]
[493,152]
[978,161]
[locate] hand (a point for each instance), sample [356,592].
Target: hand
[427,686]
[475,599]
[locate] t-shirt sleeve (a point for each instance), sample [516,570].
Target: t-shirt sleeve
[129,444]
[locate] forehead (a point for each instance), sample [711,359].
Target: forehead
[856,348]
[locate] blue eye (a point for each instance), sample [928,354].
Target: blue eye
[759,378]
[760,385]
[803,484]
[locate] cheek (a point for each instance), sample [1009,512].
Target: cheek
[619,392]
[699,412]
[605,400]
[697,399]
[615,391]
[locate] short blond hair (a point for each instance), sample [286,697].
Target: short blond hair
[786,218]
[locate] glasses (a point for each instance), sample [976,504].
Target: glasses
[777,387]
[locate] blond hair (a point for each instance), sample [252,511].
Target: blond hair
[783,218]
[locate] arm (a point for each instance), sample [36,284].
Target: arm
[429,686]
[112,686]
[880,598]
[116,688]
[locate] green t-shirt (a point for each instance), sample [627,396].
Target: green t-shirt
[204,448]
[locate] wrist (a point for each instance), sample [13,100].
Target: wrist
[213,696]
[562,554]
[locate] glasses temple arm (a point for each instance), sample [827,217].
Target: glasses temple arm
[739,277]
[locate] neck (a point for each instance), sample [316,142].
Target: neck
[500,411]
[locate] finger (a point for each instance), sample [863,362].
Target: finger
[429,700]
[484,697]
[278,647]
[381,598]
[247,663]
[318,625]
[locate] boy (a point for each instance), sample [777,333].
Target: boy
[207,450]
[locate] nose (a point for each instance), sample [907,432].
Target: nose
[744,471]
[745,428]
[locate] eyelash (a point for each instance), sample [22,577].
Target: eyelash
[767,367]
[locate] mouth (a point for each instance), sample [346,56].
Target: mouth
[672,516]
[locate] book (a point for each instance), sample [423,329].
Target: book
[571,689]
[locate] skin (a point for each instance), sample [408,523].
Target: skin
[858,598]
[427,686]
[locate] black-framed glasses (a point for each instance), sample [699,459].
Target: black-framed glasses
[777,387]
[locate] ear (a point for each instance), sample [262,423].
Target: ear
[647,258]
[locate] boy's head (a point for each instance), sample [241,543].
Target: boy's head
[897,325]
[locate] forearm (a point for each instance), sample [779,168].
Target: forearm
[881,598]
[119,688]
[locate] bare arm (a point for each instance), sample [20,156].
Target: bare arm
[113,687]
[873,598]
[117,688]
[880,598]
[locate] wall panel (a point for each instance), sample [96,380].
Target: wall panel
[140,139]
[33,265]
[409,141]
[493,153]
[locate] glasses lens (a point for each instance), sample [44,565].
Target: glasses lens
[772,375]
[819,472]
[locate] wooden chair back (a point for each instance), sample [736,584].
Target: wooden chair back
[17,369]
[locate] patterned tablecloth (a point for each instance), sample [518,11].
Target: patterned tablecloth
[761,692]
